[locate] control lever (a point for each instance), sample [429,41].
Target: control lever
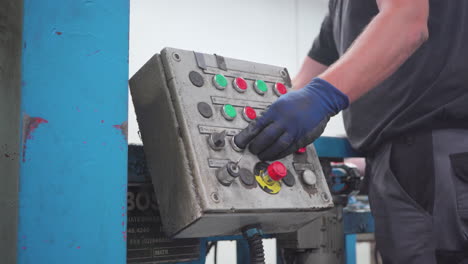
[239,160]
[217,140]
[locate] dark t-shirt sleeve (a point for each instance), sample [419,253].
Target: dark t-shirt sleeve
[324,48]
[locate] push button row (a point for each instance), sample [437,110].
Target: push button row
[240,85]
[228,111]
[269,181]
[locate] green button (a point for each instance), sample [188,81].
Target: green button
[261,85]
[221,80]
[230,111]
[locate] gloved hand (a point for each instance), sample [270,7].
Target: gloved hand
[295,120]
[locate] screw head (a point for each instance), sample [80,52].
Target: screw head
[283,73]
[215,197]
[176,56]
[325,197]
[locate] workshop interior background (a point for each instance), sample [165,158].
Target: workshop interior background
[278,32]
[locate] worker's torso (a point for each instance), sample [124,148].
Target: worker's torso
[430,90]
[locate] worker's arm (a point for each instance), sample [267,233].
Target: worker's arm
[299,117]
[392,36]
[310,68]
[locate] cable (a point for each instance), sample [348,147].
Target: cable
[216,253]
[210,246]
[253,234]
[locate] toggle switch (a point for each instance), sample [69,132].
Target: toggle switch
[227,174]
[217,140]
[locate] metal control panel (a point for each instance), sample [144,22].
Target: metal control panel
[189,106]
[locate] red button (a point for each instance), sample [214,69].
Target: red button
[250,113]
[280,89]
[277,171]
[241,83]
[301,150]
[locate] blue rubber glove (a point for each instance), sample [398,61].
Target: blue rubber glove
[294,121]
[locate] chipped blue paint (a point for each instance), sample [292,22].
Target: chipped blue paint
[74,175]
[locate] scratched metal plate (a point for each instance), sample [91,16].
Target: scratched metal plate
[146,241]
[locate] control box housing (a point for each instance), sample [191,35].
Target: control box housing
[189,106]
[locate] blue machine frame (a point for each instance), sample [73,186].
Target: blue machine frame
[74,100]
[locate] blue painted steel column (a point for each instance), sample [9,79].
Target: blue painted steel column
[73,172]
[350,248]
[243,251]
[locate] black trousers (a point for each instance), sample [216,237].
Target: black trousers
[418,193]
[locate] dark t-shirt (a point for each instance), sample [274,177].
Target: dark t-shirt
[429,91]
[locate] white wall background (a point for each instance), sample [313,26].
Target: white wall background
[278,32]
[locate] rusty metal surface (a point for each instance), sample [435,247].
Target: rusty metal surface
[10,92]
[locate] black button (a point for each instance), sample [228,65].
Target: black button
[247,177]
[205,109]
[196,78]
[289,180]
